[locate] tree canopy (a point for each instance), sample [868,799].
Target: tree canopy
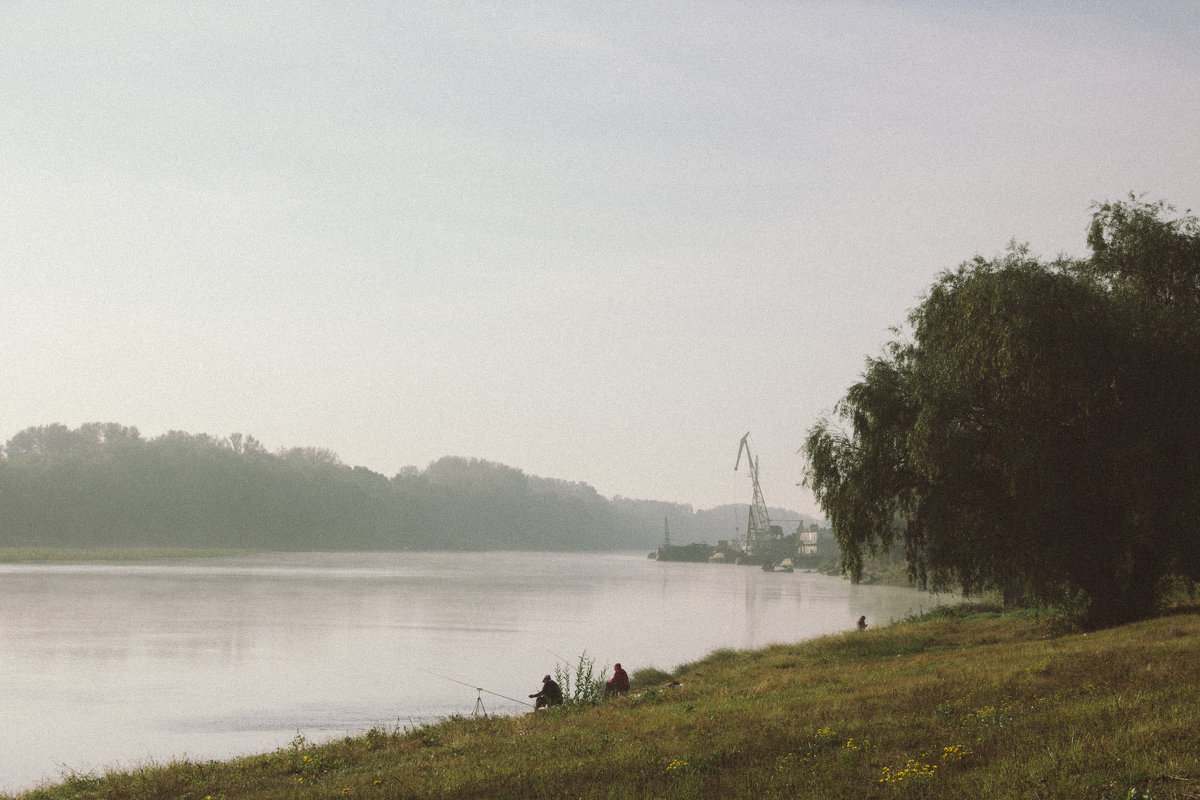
[1037,431]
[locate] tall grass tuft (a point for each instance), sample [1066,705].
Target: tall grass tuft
[580,686]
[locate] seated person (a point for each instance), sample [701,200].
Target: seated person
[550,695]
[619,683]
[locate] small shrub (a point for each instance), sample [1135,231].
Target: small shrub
[76,782]
[958,611]
[649,676]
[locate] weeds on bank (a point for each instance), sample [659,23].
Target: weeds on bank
[581,685]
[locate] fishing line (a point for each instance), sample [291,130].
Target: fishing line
[478,688]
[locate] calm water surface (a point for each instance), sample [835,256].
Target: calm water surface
[115,665]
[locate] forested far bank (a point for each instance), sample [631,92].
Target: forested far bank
[105,485]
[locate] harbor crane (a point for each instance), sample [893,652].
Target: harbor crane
[764,541]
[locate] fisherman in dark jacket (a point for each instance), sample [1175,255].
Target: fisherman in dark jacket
[550,695]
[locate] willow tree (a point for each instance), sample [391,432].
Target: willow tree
[1014,442]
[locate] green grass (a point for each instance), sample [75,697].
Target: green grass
[963,702]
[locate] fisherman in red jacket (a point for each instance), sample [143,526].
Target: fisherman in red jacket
[619,683]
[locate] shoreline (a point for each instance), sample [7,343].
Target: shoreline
[965,700]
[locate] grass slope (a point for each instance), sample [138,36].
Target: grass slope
[963,702]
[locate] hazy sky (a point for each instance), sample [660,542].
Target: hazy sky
[595,241]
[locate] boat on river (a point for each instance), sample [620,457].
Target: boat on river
[696,552]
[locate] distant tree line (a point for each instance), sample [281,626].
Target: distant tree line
[105,485]
[1039,433]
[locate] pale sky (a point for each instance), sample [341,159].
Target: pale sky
[594,241]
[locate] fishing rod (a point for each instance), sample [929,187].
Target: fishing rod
[567,663]
[478,688]
[556,655]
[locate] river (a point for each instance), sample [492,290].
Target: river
[114,665]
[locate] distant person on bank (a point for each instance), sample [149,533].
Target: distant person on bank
[550,695]
[619,683]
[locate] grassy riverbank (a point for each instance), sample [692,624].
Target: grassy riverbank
[964,702]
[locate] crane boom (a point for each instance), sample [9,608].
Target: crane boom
[763,539]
